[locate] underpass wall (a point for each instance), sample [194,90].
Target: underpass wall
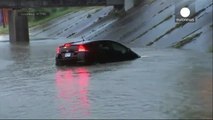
[152,24]
[128,4]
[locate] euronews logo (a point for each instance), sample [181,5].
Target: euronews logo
[185,14]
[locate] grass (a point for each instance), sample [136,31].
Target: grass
[178,25]
[186,40]
[167,18]
[4,30]
[56,15]
[53,15]
[167,32]
[164,9]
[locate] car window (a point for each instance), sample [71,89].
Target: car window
[104,46]
[119,48]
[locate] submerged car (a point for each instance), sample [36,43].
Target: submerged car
[90,52]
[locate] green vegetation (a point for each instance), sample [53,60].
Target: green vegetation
[52,14]
[4,30]
[164,9]
[167,32]
[167,18]
[186,40]
[178,25]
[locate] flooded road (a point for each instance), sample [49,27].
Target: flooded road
[163,83]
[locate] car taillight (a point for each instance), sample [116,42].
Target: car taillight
[81,48]
[57,50]
[67,45]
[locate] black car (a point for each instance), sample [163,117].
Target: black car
[89,52]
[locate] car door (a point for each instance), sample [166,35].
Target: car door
[119,51]
[104,52]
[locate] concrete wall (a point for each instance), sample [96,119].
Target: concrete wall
[115,2]
[129,4]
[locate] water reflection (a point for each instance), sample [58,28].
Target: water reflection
[72,92]
[19,52]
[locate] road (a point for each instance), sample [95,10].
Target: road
[163,83]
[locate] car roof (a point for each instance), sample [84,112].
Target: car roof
[86,41]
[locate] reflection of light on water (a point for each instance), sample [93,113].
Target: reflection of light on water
[4,37]
[72,89]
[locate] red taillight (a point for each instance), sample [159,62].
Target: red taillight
[81,48]
[67,45]
[57,50]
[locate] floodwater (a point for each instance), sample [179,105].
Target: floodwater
[163,83]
